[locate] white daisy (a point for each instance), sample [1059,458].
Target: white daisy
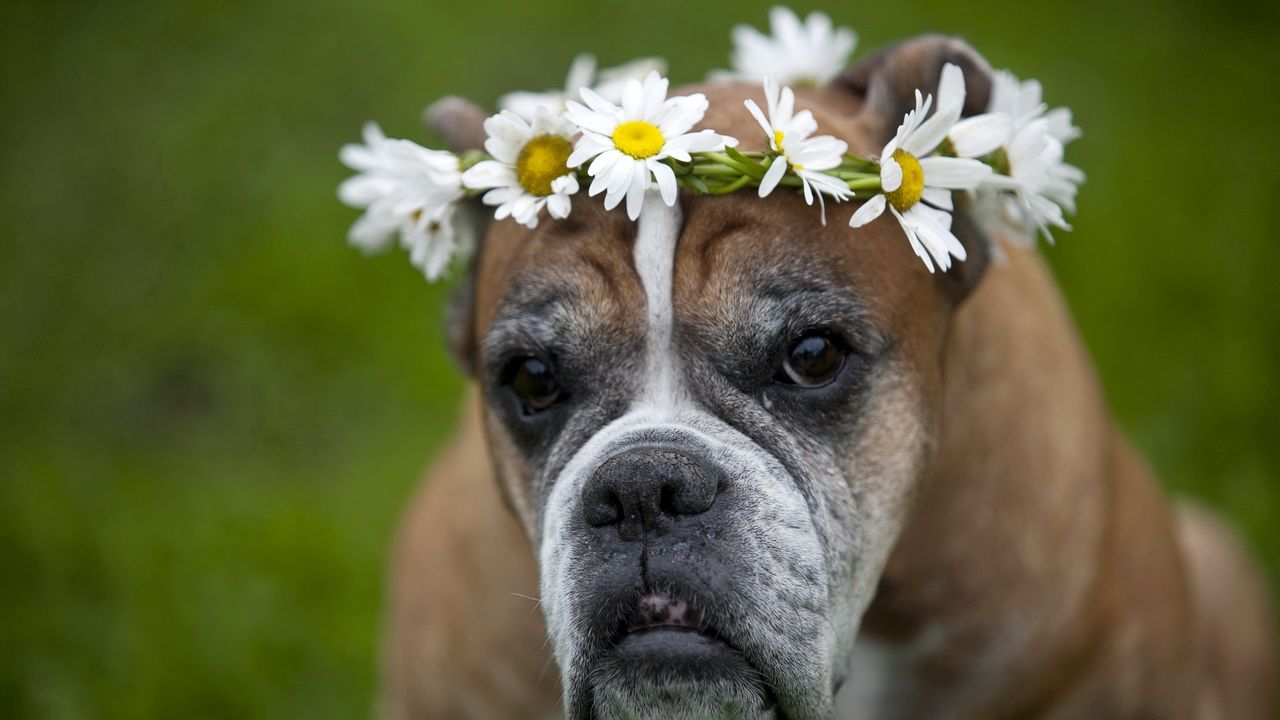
[528,171]
[917,189]
[403,187]
[789,136]
[1031,164]
[971,137]
[1023,101]
[1031,167]
[582,73]
[627,145]
[813,52]
[433,239]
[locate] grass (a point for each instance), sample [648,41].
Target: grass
[211,410]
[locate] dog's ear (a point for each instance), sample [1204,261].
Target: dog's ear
[886,82]
[460,321]
[458,121]
[461,124]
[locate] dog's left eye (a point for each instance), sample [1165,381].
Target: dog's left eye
[534,383]
[812,360]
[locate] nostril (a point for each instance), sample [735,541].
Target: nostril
[667,501]
[602,507]
[692,498]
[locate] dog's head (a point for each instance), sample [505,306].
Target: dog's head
[712,422]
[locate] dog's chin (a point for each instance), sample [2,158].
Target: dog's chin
[677,673]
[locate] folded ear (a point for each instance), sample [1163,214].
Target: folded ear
[886,82]
[460,322]
[459,121]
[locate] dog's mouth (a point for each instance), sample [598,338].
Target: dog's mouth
[656,610]
[663,636]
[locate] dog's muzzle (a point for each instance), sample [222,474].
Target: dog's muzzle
[683,578]
[658,504]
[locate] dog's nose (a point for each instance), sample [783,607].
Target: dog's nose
[642,489]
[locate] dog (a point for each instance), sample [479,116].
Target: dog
[730,462]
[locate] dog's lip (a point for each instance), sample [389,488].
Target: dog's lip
[661,613]
[696,649]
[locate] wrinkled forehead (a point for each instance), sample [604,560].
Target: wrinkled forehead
[737,251]
[567,274]
[720,261]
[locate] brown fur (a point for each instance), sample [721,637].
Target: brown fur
[466,639]
[1041,573]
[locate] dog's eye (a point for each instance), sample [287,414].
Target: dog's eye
[812,360]
[534,383]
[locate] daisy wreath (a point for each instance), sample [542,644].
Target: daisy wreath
[625,139]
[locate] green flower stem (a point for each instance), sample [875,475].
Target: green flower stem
[729,162]
[714,173]
[731,187]
[861,162]
[714,170]
[471,157]
[864,183]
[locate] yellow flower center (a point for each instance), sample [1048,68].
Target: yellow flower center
[540,161]
[912,187]
[638,139]
[777,145]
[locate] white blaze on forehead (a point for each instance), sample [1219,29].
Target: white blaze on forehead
[657,231]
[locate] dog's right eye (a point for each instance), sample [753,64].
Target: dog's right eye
[533,382]
[811,361]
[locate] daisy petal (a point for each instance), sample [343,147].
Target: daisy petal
[488,174]
[666,181]
[595,102]
[590,119]
[636,192]
[701,141]
[588,147]
[566,184]
[773,175]
[953,173]
[938,198]
[869,211]
[759,116]
[981,134]
[931,132]
[679,114]
[913,238]
[558,206]
[372,232]
[890,175]
[938,240]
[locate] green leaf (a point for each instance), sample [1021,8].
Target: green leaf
[751,167]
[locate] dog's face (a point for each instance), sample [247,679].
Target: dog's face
[711,424]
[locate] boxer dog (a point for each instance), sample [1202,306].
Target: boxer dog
[728,462]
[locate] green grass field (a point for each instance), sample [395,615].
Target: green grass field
[211,409]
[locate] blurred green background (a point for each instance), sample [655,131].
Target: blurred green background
[212,409]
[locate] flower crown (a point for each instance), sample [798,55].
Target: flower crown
[619,134]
